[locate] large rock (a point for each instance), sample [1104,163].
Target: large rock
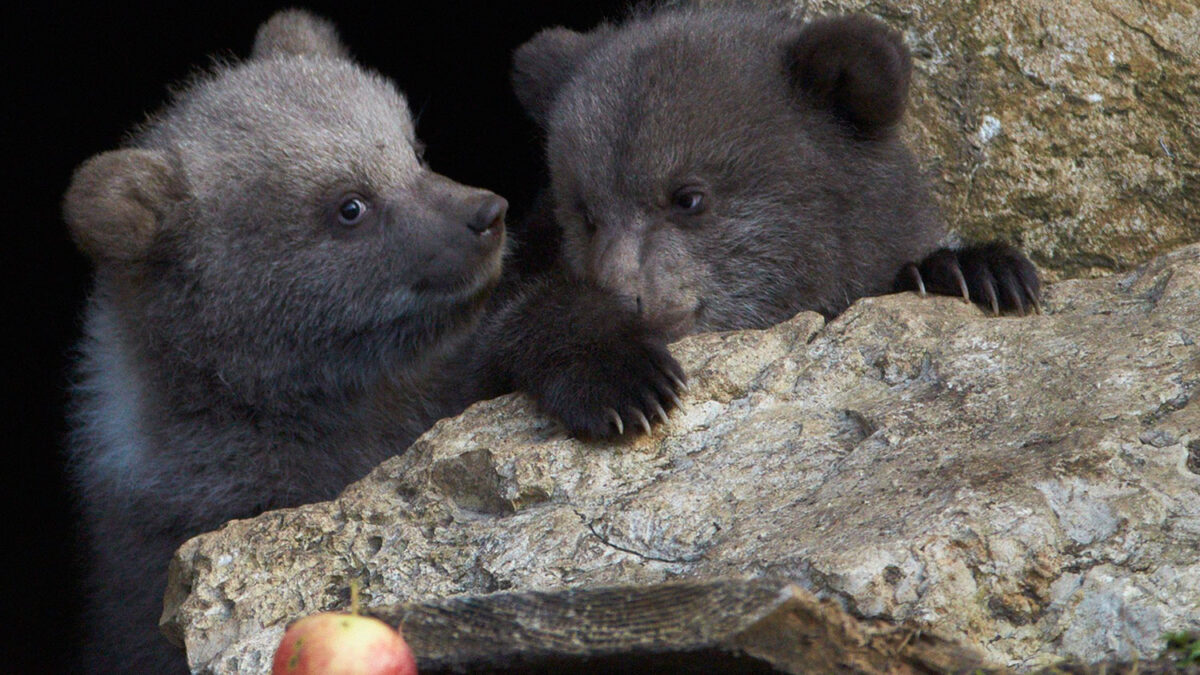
[1028,486]
[1071,127]
[727,626]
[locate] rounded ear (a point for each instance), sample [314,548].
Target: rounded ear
[854,66]
[543,65]
[116,200]
[295,32]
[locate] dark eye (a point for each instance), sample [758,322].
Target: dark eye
[352,211]
[689,200]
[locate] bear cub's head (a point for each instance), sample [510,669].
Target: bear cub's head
[725,168]
[276,222]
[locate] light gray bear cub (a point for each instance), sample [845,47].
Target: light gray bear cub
[724,168]
[285,295]
[282,290]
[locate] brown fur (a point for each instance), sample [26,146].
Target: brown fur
[285,295]
[724,168]
[248,346]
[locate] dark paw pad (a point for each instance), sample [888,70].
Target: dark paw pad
[994,275]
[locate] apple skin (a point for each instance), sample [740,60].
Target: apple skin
[331,643]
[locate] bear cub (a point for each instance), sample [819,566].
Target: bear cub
[723,168]
[285,295]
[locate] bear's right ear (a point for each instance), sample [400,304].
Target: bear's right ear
[543,65]
[116,200]
[295,32]
[855,67]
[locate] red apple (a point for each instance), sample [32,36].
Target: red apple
[342,644]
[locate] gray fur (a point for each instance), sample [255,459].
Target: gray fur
[811,199]
[244,350]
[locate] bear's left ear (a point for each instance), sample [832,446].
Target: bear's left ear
[295,32]
[545,63]
[855,67]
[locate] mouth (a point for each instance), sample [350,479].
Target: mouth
[479,277]
[488,272]
[466,288]
[491,244]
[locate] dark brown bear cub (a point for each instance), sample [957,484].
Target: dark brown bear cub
[285,295]
[726,168]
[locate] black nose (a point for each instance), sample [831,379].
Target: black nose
[490,214]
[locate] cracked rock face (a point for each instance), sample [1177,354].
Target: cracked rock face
[1028,486]
[1068,127]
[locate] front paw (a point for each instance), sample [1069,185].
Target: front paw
[582,355]
[994,275]
[611,387]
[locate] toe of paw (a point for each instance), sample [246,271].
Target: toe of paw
[995,275]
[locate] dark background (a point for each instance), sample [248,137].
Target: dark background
[78,79]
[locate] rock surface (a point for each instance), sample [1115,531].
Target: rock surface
[1028,486]
[723,626]
[1072,128]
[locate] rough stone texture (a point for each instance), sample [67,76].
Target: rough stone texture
[1029,486]
[1070,127]
[724,626]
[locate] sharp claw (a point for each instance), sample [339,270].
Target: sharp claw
[641,419]
[962,284]
[679,384]
[1037,306]
[916,273]
[662,414]
[1016,298]
[992,299]
[616,419]
[675,399]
